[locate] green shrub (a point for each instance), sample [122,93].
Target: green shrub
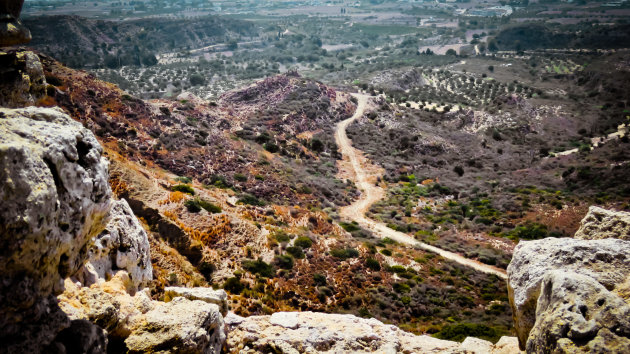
[401,288]
[271,147]
[184,188]
[350,227]
[460,331]
[258,267]
[372,264]
[233,285]
[186,180]
[398,269]
[240,177]
[192,205]
[218,181]
[206,269]
[296,252]
[303,242]
[195,206]
[386,252]
[528,231]
[344,253]
[319,279]
[284,262]
[209,207]
[281,236]
[250,200]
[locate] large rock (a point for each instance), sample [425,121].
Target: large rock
[55,198]
[139,324]
[576,314]
[123,245]
[181,326]
[602,223]
[12,31]
[22,79]
[217,297]
[606,262]
[310,332]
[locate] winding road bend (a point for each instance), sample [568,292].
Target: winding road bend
[370,194]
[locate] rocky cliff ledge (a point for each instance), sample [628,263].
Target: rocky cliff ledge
[573,295]
[311,332]
[73,261]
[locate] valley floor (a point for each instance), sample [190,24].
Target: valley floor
[372,193]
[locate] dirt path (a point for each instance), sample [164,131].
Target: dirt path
[371,193]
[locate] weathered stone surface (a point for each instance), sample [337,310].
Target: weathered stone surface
[22,80]
[55,198]
[310,332]
[477,346]
[217,297]
[606,261]
[576,314]
[506,345]
[181,325]
[123,245]
[602,223]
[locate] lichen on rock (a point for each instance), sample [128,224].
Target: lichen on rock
[22,81]
[123,245]
[55,198]
[600,223]
[573,295]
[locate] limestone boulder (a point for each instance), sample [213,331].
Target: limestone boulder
[181,326]
[55,199]
[22,81]
[605,261]
[602,223]
[123,245]
[140,324]
[577,314]
[217,297]
[310,332]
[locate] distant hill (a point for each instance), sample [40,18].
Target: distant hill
[97,43]
[582,36]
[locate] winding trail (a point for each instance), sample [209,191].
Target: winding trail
[372,193]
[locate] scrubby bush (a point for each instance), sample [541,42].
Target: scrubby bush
[184,188]
[350,227]
[284,262]
[281,236]
[303,242]
[233,285]
[296,252]
[250,200]
[373,264]
[344,253]
[258,267]
[461,331]
[195,206]
[319,279]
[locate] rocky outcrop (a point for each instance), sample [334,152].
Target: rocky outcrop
[123,245]
[310,332]
[182,325]
[577,314]
[572,295]
[602,223]
[22,80]
[12,31]
[139,324]
[217,297]
[55,198]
